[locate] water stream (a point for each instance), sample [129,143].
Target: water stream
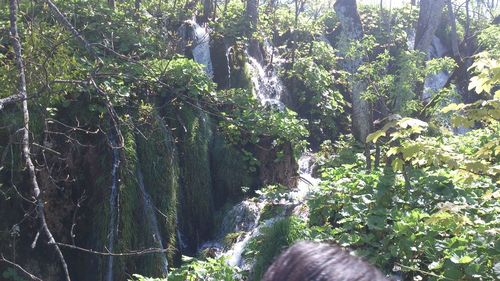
[152,222]
[245,220]
[266,84]
[435,82]
[113,204]
[229,50]
[201,45]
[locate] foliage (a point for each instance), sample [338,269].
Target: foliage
[198,270]
[440,225]
[274,238]
[211,270]
[233,24]
[11,274]
[246,121]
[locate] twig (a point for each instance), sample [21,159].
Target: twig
[20,268]
[124,254]
[422,271]
[64,21]
[78,205]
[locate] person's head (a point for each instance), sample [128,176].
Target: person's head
[309,261]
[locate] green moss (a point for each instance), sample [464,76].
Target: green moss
[159,164]
[232,238]
[131,234]
[240,73]
[230,172]
[271,211]
[273,240]
[196,194]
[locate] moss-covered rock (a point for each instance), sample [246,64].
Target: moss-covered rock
[159,163]
[231,173]
[196,191]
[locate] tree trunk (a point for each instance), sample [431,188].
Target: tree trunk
[252,13]
[352,31]
[25,143]
[453,33]
[428,20]
[208,9]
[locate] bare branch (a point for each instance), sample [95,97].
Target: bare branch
[10,99]
[125,254]
[62,20]
[20,268]
[25,136]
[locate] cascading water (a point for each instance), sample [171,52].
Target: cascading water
[410,39]
[435,82]
[201,46]
[152,222]
[113,204]
[229,61]
[266,84]
[245,217]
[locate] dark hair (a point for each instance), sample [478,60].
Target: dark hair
[309,261]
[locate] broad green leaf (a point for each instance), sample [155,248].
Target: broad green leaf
[411,122]
[461,260]
[411,150]
[452,107]
[373,137]
[397,164]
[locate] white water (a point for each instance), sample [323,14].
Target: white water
[245,217]
[201,46]
[152,222]
[113,204]
[410,39]
[266,84]
[435,82]
[229,62]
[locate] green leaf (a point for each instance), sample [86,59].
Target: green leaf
[435,265]
[397,164]
[452,107]
[410,151]
[461,260]
[373,137]
[411,122]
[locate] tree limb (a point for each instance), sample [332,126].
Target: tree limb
[10,99]
[22,92]
[20,268]
[125,254]
[64,21]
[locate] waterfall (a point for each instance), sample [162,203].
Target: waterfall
[228,58]
[245,217]
[113,204]
[201,46]
[266,85]
[410,39]
[435,82]
[152,221]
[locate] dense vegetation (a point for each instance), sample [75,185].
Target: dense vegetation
[147,151]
